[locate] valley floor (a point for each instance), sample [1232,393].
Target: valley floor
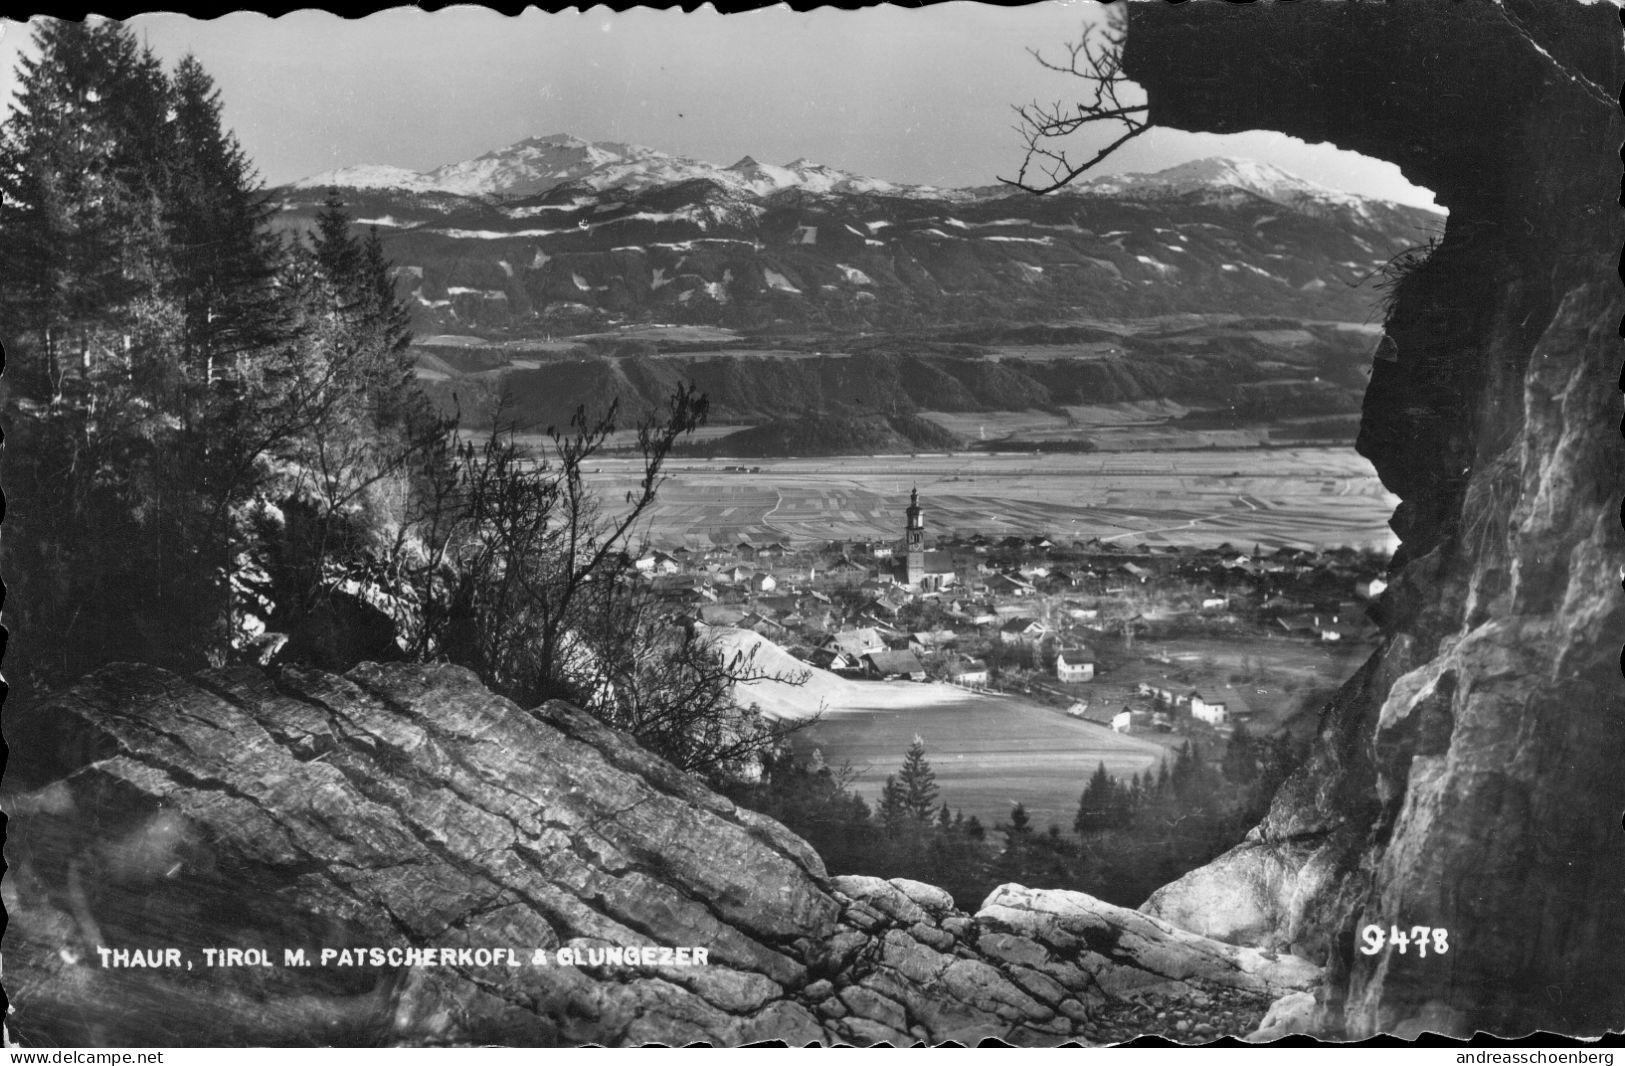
[1301,497]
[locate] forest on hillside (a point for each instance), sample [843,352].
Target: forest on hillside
[218,453]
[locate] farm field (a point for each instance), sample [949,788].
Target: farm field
[1285,673]
[1140,426]
[988,751]
[988,754]
[1312,497]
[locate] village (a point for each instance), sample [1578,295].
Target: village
[1161,641]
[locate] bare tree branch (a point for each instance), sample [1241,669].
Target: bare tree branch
[1096,59]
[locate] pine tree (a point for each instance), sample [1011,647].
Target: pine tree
[1096,804]
[918,783]
[1018,834]
[226,257]
[81,176]
[1240,762]
[894,812]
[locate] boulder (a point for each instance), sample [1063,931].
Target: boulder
[322,826]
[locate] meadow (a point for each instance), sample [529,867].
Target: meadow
[989,751]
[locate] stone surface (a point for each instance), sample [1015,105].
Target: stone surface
[404,806]
[1468,777]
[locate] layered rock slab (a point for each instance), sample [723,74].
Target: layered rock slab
[406,806]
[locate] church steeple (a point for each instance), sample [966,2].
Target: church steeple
[914,541]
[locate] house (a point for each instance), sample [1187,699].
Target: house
[656,562]
[745,550]
[772,551]
[762,581]
[924,643]
[827,658]
[1160,693]
[1122,721]
[855,643]
[733,575]
[845,573]
[1135,571]
[972,672]
[1215,603]
[1209,711]
[768,627]
[886,665]
[1009,585]
[1074,663]
[1369,588]
[1300,625]
[1022,631]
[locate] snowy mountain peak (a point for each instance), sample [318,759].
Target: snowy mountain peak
[1215,174]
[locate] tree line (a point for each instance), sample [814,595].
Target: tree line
[1128,837]
[219,453]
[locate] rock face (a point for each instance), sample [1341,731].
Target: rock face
[1467,778]
[407,807]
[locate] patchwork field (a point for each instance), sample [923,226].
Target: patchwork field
[1305,497]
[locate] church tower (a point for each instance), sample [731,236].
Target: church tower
[914,541]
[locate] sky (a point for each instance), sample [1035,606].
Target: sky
[911,95]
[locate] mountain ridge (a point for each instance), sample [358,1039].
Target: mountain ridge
[536,165]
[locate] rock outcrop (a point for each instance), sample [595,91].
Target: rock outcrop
[1468,777]
[403,806]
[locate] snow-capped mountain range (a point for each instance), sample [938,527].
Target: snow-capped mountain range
[538,164]
[557,232]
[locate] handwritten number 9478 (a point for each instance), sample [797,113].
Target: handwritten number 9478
[1423,938]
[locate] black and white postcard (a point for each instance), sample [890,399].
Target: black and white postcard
[912,525]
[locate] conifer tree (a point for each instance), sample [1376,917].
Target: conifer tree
[918,782]
[80,194]
[894,812]
[1240,762]
[226,259]
[1094,806]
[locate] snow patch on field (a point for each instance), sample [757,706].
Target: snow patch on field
[537,209]
[835,694]
[853,275]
